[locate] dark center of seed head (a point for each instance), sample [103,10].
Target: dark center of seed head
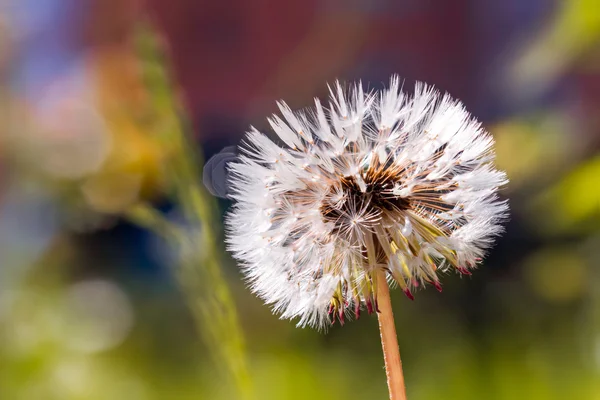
[377,197]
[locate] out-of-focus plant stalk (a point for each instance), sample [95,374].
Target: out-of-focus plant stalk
[195,241]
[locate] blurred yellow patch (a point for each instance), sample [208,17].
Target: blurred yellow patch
[574,202]
[135,164]
[529,150]
[574,30]
[111,193]
[556,275]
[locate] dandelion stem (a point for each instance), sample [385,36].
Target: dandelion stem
[389,340]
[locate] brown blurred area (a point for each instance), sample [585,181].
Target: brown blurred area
[232,59]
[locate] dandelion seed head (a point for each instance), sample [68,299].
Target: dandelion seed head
[376,181]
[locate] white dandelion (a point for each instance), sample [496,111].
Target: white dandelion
[379,184]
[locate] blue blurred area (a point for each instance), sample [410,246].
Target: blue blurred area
[46,41]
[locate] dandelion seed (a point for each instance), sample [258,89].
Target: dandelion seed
[379,188]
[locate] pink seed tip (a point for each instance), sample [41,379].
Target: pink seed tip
[437,286]
[369,306]
[464,271]
[408,294]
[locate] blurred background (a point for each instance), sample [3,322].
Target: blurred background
[114,282]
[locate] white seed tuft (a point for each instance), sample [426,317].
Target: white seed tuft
[377,181]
